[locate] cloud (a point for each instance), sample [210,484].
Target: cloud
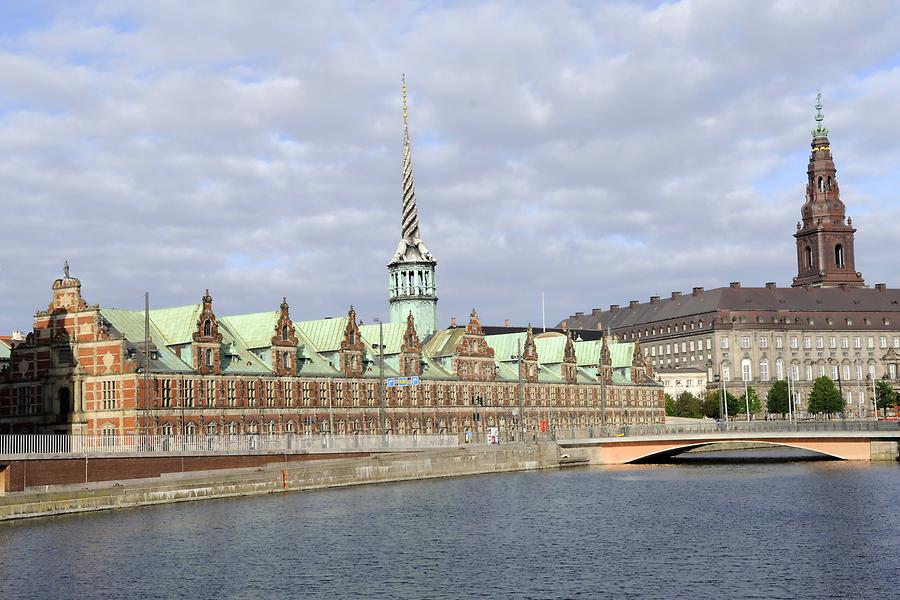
[596,153]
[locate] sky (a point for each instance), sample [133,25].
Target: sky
[593,152]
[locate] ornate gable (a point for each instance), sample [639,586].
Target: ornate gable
[639,368]
[207,345]
[410,350]
[569,364]
[284,344]
[528,367]
[604,367]
[352,348]
[474,358]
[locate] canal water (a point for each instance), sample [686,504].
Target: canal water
[756,524]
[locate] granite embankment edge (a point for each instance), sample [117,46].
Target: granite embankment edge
[278,478]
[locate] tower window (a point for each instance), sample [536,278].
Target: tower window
[821,184]
[284,332]
[209,359]
[839,255]
[808,257]
[829,183]
[207,328]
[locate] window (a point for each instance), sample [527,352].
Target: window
[895,342]
[859,374]
[207,328]
[809,373]
[745,342]
[821,370]
[820,343]
[857,342]
[778,343]
[870,343]
[110,394]
[726,373]
[834,372]
[709,343]
[210,392]
[832,342]
[845,342]
[764,370]
[190,429]
[288,393]
[284,332]
[746,371]
[211,428]
[270,394]
[724,343]
[684,346]
[764,342]
[189,393]
[795,372]
[166,393]
[839,256]
[846,372]
[251,393]
[882,342]
[794,344]
[209,360]
[807,343]
[779,369]
[232,393]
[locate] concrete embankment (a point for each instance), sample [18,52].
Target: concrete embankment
[278,477]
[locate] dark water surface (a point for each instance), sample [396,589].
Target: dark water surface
[702,527]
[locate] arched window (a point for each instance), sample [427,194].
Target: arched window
[779,369]
[207,328]
[809,260]
[209,360]
[821,184]
[210,429]
[232,428]
[839,255]
[284,332]
[189,429]
[829,183]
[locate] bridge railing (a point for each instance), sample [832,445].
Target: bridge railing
[731,426]
[25,444]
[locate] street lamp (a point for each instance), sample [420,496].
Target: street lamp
[380,347]
[859,397]
[520,389]
[840,390]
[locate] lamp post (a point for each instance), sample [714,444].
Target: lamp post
[724,392]
[746,397]
[521,391]
[840,389]
[381,416]
[859,398]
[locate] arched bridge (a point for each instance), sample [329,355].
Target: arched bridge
[846,440]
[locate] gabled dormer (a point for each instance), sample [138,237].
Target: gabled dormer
[640,368]
[410,350]
[284,344]
[569,363]
[474,358]
[352,348]
[206,347]
[528,367]
[604,365]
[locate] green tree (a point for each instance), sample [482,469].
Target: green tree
[778,399]
[688,405]
[711,402]
[755,404]
[824,397]
[670,406]
[885,396]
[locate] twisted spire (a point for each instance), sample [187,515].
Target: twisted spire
[410,229]
[411,247]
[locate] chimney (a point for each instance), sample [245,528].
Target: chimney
[676,295]
[452,321]
[770,285]
[633,303]
[18,336]
[599,326]
[654,299]
[596,311]
[565,325]
[881,287]
[613,307]
[736,285]
[506,322]
[579,314]
[697,291]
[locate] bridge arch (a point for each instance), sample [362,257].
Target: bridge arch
[681,449]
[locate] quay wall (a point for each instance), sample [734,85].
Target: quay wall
[274,477]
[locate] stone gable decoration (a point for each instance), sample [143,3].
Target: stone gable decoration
[410,350]
[284,344]
[66,294]
[473,359]
[528,367]
[569,363]
[206,349]
[604,366]
[352,346]
[640,370]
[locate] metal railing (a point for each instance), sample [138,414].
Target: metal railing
[24,444]
[731,426]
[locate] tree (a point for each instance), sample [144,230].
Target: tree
[885,396]
[755,404]
[670,406]
[778,398]
[824,397]
[711,402]
[688,405]
[735,404]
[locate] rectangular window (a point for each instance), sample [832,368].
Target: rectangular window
[709,343]
[795,372]
[251,393]
[110,394]
[166,392]
[745,371]
[668,348]
[821,370]
[764,371]
[726,373]
[846,372]
[724,343]
[691,345]
[232,393]
[832,342]
[763,342]
[882,342]
[845,342]
[807,343]
[745,342]
[270,394]
[778,343]
[288,393]
[809,373]
[683,347]
[895,342]
[834,372]
[794,344]
[210,392]
[857,343]
[820,343]
[859,372]
[779,369]
[305,386]
[870,342]
[189,393]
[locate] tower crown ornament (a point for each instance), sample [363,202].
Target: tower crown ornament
[820,130]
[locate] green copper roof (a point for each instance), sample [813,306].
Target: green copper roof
[392,333]
[326,335]
[178,324]
[255,330]
[4,350]
[131,325]
[506,345]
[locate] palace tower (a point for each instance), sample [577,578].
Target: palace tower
[825,255]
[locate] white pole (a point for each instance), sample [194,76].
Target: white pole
[790,412]
[746,398]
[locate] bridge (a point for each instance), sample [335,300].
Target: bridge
[846,440]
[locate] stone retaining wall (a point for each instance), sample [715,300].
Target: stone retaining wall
[278,477]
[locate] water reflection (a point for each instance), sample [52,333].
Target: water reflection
[738,525]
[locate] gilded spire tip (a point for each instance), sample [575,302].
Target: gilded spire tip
[403,77]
